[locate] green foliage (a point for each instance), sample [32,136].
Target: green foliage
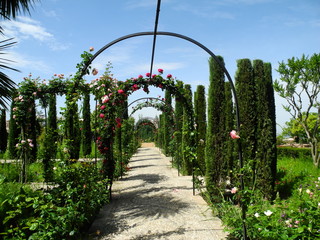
[294,152]
[216,135]
[200,123]
[300,80]
[3,131]
[247,107]
[293,128]
[86,126]
[168,124]
[188,135]
[14,130]
[60,213]
[265,162]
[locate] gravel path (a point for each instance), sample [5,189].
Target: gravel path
[152,202]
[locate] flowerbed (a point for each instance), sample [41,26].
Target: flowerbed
[58,213]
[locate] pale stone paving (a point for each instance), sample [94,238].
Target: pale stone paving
[152,202]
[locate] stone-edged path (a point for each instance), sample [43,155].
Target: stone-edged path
[152,202]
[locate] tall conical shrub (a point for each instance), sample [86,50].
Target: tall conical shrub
[200,126]
[86,126]
[230,156]
[246,93]
[216,135]
[168,124]
[3,131]
[266,156]
[178,113]
[188,138]
[14,131]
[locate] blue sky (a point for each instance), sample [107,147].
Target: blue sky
[52,38]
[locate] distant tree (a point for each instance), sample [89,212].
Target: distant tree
[299,84]
[216,135]
[200,123]
[294,129]
[86,126]
[3,131]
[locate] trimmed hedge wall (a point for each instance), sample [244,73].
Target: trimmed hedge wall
[294,152]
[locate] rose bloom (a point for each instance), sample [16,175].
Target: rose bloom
[91,49]
[101,115]
[31,145]
[169,76]
[234,135]
[160,70]
[148,74]
[234,190]
[120,91]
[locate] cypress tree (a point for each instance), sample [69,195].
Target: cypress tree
[52,118]
[178,112]
[32,130]
[3,131]
[49,144]
[230,154]
[168,124]
[188,138]
[86,126]
[266,144]
[245,87]
[216,136]
[200,123]
[13,135]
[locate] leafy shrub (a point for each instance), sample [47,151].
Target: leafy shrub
[294,152]
[58,213]
[296,218]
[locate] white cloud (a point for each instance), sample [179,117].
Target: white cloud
[22,62]
[25,28]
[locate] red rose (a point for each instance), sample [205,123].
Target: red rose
[169,76]
[148,74]
[120,91]
[160,70]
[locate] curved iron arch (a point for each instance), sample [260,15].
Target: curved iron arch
[182,37]
[199,45]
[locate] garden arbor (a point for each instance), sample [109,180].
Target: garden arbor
[135,84]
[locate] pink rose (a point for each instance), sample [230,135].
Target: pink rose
[140,76]
[31,145]
[160,70]
[101,115]
[148,74]
[120,91]
[234,190]
[154,75]
[234,135]
[169,76]
[102,107]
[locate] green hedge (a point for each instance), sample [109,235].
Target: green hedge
[294,152]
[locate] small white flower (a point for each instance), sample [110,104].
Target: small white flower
[308,191]
[256,215]
[234,190]
[268,213]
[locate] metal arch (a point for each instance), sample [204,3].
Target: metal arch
[146,98]
[199,45]
[214,57]
[182,37]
